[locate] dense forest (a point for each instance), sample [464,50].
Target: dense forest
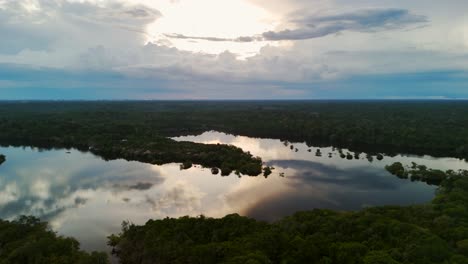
[421,234]
[28,240]
[436,232]
[140,129]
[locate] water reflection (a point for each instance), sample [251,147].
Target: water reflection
[314,185]
[86,197]
[271,149]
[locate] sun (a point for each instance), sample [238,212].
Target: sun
[212,18]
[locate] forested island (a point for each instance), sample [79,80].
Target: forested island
[421,234]
[140,130]
[417,172]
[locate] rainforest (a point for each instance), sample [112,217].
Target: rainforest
[324,181]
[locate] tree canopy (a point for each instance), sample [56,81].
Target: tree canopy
[28,240]
[139,130]
[421,234]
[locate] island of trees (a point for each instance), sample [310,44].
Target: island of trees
[417,172]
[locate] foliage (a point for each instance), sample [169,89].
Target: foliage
[138,130]
[419,173]
[432,233]
[114,131]
[28,240]
[267,171]
[397,169]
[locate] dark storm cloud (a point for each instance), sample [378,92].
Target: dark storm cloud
[315,26]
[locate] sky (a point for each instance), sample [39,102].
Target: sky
[233,49]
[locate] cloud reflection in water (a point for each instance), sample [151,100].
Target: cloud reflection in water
[88,198]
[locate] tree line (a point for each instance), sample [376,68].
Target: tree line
[412,127]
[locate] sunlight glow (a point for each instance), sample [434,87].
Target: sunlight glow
[211,18]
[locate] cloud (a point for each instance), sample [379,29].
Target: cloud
[182,197]
[216,39]
[316,26]
[67,49]
[52,192]
[50,24]
[315,185]
[19,31]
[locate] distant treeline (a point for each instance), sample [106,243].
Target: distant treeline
[438,128]
[422,234]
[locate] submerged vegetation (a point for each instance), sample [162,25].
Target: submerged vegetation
[422,234]
[28,240]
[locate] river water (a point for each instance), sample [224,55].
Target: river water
[83,196]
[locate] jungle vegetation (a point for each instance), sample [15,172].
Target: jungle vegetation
[436,232]
[28,240]
[113,133]
[431,233]
[417,172]
[140,130]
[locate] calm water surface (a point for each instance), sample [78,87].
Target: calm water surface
[85,197]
